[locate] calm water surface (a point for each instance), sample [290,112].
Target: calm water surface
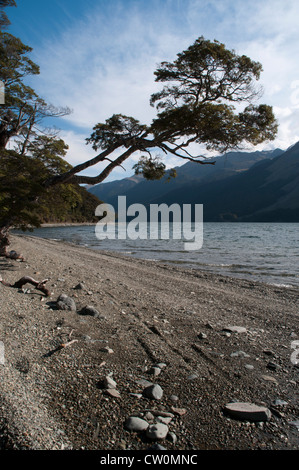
[267,252]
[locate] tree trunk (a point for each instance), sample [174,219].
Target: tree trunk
[4,240]
[5,243]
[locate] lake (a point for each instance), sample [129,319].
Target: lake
[267,252]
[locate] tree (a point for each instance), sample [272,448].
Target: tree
[207,98]
[4,21]
[197,104]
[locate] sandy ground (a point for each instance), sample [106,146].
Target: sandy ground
[54,397]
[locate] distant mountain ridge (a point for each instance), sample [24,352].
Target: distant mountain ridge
[241,186]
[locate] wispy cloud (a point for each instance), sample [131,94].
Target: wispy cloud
[103,63]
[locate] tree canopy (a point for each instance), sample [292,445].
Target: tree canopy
[203,87]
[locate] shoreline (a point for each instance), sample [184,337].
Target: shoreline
[269,279]
[149,312]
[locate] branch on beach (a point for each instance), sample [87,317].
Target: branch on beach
[39,285]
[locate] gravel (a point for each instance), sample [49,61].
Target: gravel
[150,316]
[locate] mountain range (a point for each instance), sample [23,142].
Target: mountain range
[260,186]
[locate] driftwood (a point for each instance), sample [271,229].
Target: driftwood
[39,285]
[14,255]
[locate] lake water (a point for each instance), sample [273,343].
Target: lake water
[267,252]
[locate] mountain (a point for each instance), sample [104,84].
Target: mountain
[267,192]
[138,189]
[246,187]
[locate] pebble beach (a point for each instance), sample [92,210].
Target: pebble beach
[128,355]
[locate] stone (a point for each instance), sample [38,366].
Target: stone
[202,335]
[153,391]
[113,392]
[247,411]
[89,310]
[171,437]
[135,424]
[79,286]
[239,354]
[157,431]
[155,371]
[108,382]
[235,329]
[179,411]
[65,302]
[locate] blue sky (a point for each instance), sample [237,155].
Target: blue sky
[98,56]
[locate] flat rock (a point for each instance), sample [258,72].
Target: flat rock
[247,411]
[235,329]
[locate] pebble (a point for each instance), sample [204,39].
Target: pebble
[89,310]
[153,391]
[248,411]
[235,329]
[65,302]
[155,371]
[79,286]
[113,392]
[171,436]
[157,431]
[239,354]
[202,335]
[107,350]
[108,382]
[135,424]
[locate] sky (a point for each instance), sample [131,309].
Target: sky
[98,57]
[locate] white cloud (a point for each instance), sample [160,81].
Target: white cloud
[104,63]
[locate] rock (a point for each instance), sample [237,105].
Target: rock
[235,329]
[202,335]
[79,286]
[272,366]
[247,411]
[155,371]
[65,302]
[108,382]
[157,447]
[179,411]
[279,402]
[113,392]
[136,424]
[239,354]
[153,391]
[107,350]
[171,437]
[174,398]
[164,419]
[295,424]
[89,310]
[157,431]
[269,378]
[161,365]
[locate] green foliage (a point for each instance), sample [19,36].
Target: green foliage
[4,21]
[116,131]
[24,199]
[150,168]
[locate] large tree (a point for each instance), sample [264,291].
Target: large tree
[207,97]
